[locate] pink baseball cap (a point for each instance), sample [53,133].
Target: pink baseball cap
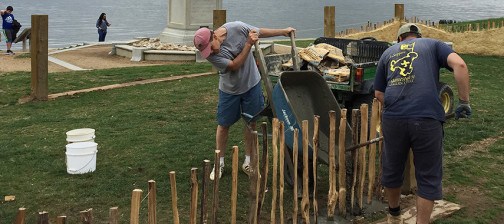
[202,41]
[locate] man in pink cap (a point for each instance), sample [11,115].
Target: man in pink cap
[228,50]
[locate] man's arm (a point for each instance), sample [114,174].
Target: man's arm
[461,74]
[275,32]
[236,64]
[380,96]
[2,12]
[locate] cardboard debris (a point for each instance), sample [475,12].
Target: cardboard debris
[313,55]
[334,52]
[338,75]
[442,209]
[10,198]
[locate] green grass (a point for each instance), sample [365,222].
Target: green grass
[25,55]
[299,43]
[483,24]
[146,131]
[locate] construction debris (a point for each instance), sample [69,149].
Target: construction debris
[157,45]
[10,198]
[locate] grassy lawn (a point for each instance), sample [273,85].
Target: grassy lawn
[144,132]
[483,24]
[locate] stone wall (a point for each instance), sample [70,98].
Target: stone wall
[483,42]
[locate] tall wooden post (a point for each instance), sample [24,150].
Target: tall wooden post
[264,168]
[43,218]
[362,153]
[316,119]
[329,21]
[21,216]
[152,202]
[341,162]
[39,57]
[205,188]
[281,177]
[173,185]
[254,180]
[215,202]
[333,193]
[234,187]
[136,198]
[305,203]
[274,147]
[399,12]
[114,215]
[372,149]
[295,154]
[219,19]
[194,195]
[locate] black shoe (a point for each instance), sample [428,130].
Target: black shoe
[10,52]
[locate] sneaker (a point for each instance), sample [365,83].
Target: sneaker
[246,168]
[391,219]
[212,174]
[10,52]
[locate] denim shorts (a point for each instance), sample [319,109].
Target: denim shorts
[425,137]
[230,106]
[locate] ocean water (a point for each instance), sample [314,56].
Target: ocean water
[72,22]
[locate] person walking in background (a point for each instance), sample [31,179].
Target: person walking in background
[102,25]
[8,32]
[406,82]
[228,50]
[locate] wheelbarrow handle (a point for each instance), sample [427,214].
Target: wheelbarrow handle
[294,54]
[264,75]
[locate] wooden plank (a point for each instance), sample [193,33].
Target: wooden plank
[362,153]
[372,150]
[173,185]
[136,198]
[87,216]
[205,188]
[295,154]
[305,202]
[234,185]
[21,216]
[333,194]
[152,202]
[341,162]
[39,57]
[114,215]
[194,196]
[329,21]
[264,168]
[274,147]
[316,119]
[282,168]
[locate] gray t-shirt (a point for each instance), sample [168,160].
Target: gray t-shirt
[247,76]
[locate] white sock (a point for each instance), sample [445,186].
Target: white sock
[247,159]
[222,160]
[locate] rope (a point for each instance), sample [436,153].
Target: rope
[145,197]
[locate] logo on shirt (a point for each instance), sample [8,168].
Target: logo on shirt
[404,64]
[8,19]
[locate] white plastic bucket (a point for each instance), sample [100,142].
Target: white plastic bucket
[81,135]
[81,157]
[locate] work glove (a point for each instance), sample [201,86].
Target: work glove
[463,110]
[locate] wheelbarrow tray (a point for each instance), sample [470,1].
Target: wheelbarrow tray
[298,96]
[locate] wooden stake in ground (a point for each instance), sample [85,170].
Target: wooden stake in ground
[204,191]
[114,215]
[43,218]
[264,168]
[305,202]
[173,185]
[316,119]
[135,206]
[254,180]
[234,186]
[295,151]
[21,216]
[60,220]
[379,187]
[362,152]
[215,202]
[87,216]
[152,202]
[282,181]
[372,150]
[332,197]
[342,167]
[194,195]
[39,56]
[274,147]
[355,153]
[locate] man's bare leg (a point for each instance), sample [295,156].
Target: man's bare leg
[393,196]
[424,210]
[221,139]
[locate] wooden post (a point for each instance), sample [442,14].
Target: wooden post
[39,57]
[305,202]
[215,202]
[114,215]
[282,157]
[254,180]
[378,188]
[316,119]
[332,197]
[219,19]
[194,196]
[205,186]
[372,150]
[362,152]
[43,218]
[21,216]
[399,12]
[493,25]
[477,27]
[234,185]
[173,185]
[264,168]
[135,206]
[274,147]
[355,154]
[295,152]
[342,167]
[152,202]
[61,220]
[488,26]
[329,21]
[87,216]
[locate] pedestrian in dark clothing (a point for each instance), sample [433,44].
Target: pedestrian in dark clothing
[8,19]
[102,25]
